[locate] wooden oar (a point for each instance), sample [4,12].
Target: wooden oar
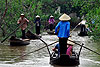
[45,44]
[74,28]
[35,50]
[85,47]
[11,33]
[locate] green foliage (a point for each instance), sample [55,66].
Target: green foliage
[89,8]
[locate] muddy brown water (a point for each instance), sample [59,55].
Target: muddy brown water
[13,56]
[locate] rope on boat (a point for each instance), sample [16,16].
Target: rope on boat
[34,51]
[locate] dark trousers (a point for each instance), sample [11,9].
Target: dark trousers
[63,45]
[83,28]
[37,30]
[51,27]
[23,34]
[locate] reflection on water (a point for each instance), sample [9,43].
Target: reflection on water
[13,56]
[7,53]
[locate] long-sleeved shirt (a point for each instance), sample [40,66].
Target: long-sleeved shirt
[64,29]
[51,21]
[24,20]
[37,22]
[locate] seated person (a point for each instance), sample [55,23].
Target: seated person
[57,47]
[69,48]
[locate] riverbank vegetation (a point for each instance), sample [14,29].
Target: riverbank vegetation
[10,11]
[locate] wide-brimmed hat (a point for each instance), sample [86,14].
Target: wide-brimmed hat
[22,14]
[64,17]
[70,43]
[37,16]
[51,16]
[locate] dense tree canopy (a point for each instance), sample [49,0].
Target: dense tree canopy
[10,11]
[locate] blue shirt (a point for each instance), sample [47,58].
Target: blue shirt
[37,21]
[64,29]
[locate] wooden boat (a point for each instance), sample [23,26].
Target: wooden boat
[65,60]
[83,34]
[30,35]
[51,32]
[18,42]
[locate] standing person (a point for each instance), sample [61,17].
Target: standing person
[64,32]
[83,27]
[38,24]
[22,20]
[51,22]
[83,31]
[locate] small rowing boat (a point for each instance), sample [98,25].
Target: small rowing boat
[65,60]
[30,35]
[83,34]
[18,42]
[51,32]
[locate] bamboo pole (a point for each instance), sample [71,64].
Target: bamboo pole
[35,50]
[11,33]
[85,47]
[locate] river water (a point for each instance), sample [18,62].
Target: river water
[13,56]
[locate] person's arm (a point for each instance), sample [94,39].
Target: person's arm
[68,29]
[49,20]
[27,20]
[53,20]
[58,25]
[18,22]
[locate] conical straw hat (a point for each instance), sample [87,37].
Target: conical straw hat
[51,16]
[22,14]
[69,42]
[64,17]
[37,16]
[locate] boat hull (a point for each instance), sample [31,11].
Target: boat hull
[51,32]
[83,34]
[19,43]
[32,36]
[65,60]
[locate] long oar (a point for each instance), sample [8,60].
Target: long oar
[45,44]
[11,33]
[85,47]
[74,28]
[35,50]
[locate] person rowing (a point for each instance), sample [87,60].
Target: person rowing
[83,30]
[23,27]
[64,32]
